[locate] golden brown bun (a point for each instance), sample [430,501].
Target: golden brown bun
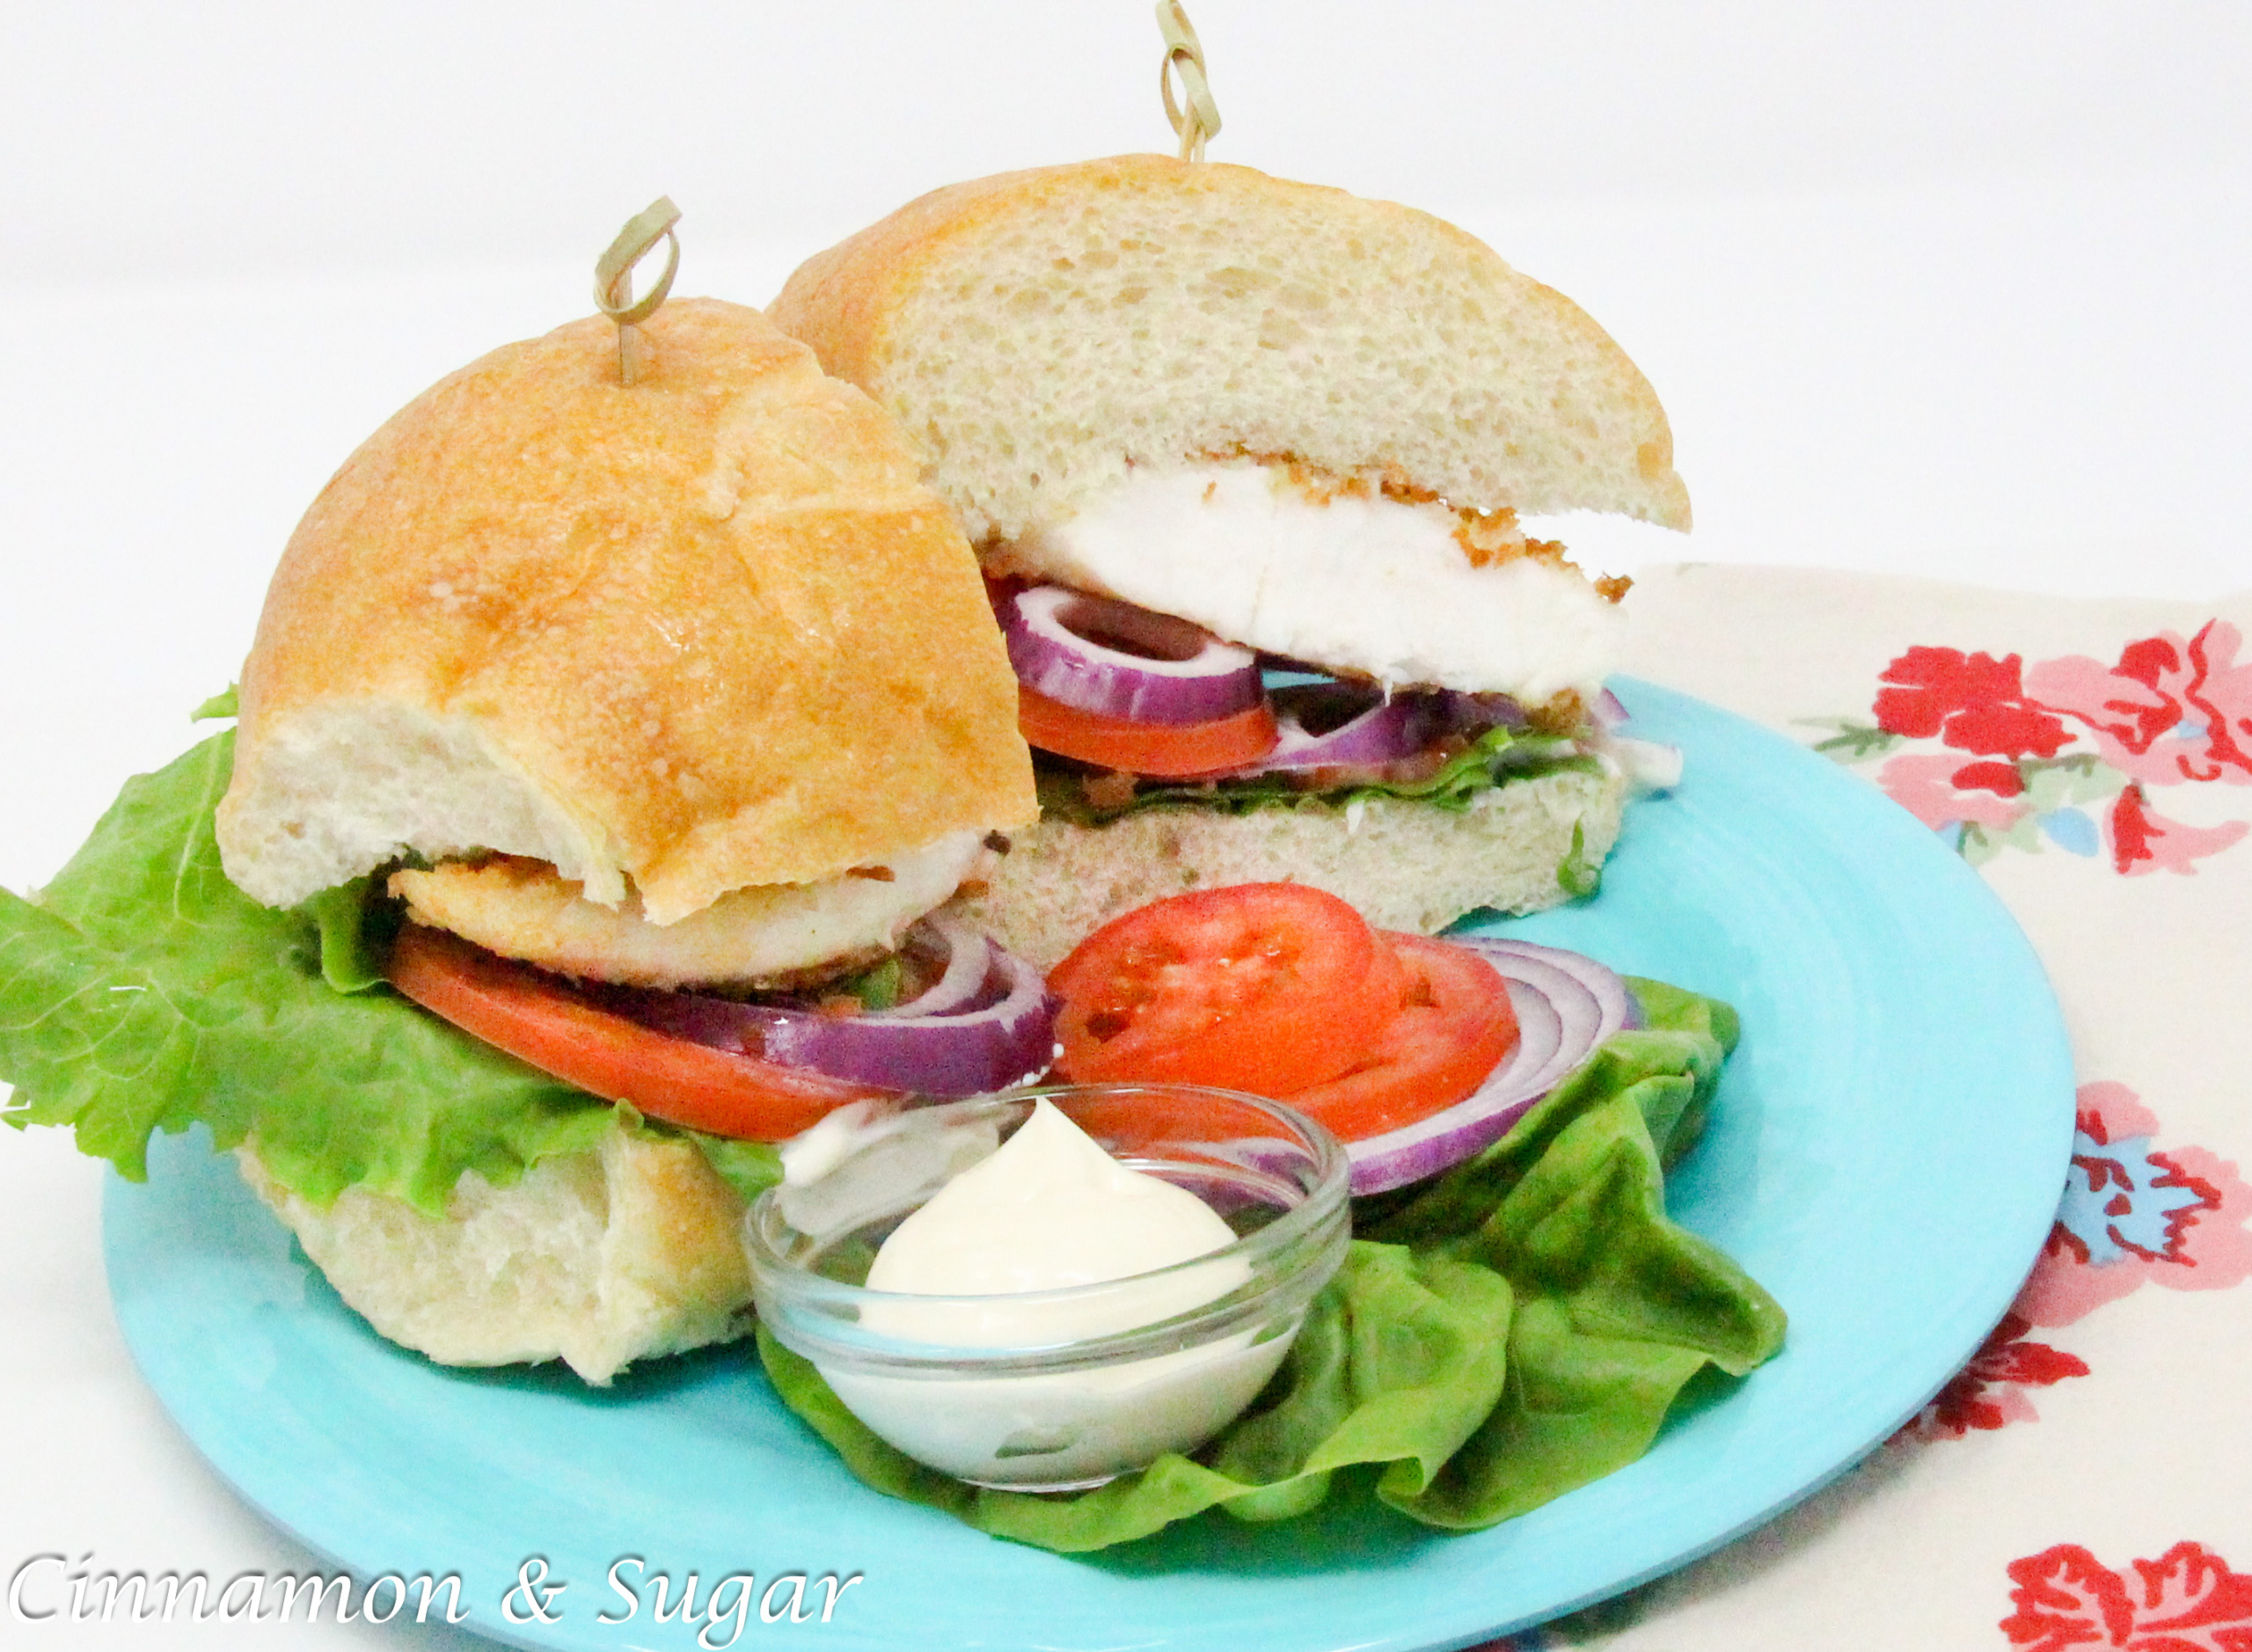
[705,631]
[1035,333]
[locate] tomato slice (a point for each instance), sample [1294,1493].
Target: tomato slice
[1170,751]
[1452,1029]
[545,1021]
[1263,987]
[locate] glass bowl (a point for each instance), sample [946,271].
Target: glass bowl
[1062,1403]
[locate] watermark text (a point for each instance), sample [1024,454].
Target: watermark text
[59,1588]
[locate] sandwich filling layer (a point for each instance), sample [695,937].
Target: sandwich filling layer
[1354,582]
[768,935]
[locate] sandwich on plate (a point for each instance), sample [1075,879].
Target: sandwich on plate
[634,728]
[1245,461]
[613,764]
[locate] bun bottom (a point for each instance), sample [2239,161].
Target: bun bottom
[1405,864]
[599,1258]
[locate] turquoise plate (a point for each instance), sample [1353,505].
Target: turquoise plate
[1885,1155]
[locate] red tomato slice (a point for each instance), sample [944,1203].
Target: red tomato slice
[541,1019]
[1171,751]
[1263,987]
[1452,1029]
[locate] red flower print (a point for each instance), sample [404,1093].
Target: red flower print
[2142,841]
[2132,1215]
[2064,752]
[1990,1391]
[1972,702]
[2172,709]
[2001,779]
[1925,785]
[2222,691]
[2186,1600]
[2007,731]
[2150,660]
[1933,683]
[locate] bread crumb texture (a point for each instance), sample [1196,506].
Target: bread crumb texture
[1405,864]
[1034,333]
[597,1259]
[705,631]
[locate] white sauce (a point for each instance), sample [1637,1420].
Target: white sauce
[1052,1210]
[1049,1211]
[1372,585]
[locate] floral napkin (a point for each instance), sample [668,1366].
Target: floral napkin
[2085,1481]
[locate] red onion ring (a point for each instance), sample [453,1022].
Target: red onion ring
[1566,1004]
[963,983]
[1581,989]
[1391,728]
[1650,765]
[1066,645]
[983,1026]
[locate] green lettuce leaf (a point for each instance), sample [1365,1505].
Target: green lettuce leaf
[1518,1328]
[749,1168]
[1499,755]
[142,992]
[227,703]
[1400,1360]
[1579,875]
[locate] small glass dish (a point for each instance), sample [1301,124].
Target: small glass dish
[1064,1410]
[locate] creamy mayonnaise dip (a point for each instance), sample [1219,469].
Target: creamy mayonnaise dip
[1050,1211]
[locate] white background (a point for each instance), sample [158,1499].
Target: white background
[1952,289]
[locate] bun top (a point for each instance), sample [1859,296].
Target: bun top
[1038,333]
[704,632]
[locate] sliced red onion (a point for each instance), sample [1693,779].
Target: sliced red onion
[1100,654]
[986,1024]
[1540,1030]
[1386,729]
[965,983]
[1390,726]
[1565,1005]
[1575,984]
[1650,765]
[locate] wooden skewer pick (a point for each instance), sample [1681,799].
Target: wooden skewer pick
[1185,56]
[614,280]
